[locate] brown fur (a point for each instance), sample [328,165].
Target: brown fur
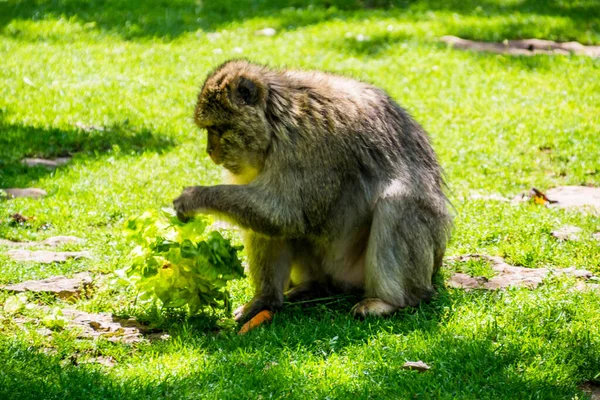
[339,186]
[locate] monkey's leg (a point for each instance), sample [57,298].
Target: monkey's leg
[400,257]
[307,280]
[269,266]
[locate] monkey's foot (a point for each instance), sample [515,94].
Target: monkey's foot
[253,307]
[372,307]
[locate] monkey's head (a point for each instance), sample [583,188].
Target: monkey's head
[231,107]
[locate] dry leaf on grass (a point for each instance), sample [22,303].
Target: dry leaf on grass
[416,365]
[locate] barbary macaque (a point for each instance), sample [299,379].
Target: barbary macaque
[335,186]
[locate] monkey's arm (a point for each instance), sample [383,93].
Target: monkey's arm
[252,206]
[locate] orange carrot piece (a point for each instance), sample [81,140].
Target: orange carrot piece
[261,318]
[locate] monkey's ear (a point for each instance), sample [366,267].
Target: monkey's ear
[247,91]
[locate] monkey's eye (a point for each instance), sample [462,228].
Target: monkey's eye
[218,130]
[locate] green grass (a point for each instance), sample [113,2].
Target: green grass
[499,125]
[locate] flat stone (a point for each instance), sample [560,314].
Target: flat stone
[10,243]
[567,232]
[46,257]
[584,198]
[62,287]
[32,193]
[99,325]
[53,241]
[507,275]
[47,163]
[596,236]
[525,47]
[465,281]
[105,325]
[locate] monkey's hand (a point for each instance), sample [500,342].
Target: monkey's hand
[254,306]
[189,202]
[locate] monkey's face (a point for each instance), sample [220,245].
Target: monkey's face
[231,108]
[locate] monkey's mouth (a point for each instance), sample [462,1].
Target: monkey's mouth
[216,157]
[214,149]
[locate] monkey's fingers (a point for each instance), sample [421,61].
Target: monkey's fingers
[263,317]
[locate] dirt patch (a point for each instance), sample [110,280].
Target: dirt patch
[525,47]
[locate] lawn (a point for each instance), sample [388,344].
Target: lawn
[113,84]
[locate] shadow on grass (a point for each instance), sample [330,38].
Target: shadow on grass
[18,141]
[242,367]
[169,19]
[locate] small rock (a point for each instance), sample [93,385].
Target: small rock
[266,32]
[238,50]
[218,50]
[42,162]
[46,257]
[596,236]
[567,232]
[32,193]
[416,365]
[62,287]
